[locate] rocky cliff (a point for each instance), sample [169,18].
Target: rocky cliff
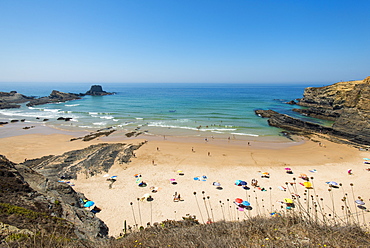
[35,196]
[345,103]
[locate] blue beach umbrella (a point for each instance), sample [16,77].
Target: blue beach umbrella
[359,202]
[332,183]
[238,182]
[243,183]
[89,204]
[245,203]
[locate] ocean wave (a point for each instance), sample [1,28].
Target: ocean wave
[217,132]
[50,110]
[246,134]
[106,117]
[100,123]
[84,126]
[170,126]
[45,115]
[72,105]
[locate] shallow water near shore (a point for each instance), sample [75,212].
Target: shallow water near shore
[182,110]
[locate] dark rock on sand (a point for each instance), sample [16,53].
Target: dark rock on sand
[95,135]
[3,122]
[92,160]
[54,97]
[97,90]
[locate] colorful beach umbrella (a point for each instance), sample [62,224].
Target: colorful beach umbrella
[332,183]
[288,200]
[237,182]
[245,203]
[243,183]
[89,204]
[359,202]
[238,200]
[307,185]
[288,169]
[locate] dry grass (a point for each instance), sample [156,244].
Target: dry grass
[285,231]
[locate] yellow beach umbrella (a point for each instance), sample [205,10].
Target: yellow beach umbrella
[308,185]
[288,200]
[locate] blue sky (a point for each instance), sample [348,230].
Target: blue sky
[240,41]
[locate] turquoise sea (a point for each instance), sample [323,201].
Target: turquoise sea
[206,110]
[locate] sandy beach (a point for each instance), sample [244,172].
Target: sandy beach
[195,165]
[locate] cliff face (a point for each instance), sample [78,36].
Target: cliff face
[33,197]
[331,101]
[346,103]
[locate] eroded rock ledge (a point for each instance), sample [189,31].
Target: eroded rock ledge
[54,97]
[347,104]
[34,188]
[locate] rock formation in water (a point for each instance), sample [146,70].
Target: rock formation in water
[97,90]
[347,104]
[54,97]
[10,99]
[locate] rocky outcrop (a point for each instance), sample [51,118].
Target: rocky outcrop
[24,208]
[105,132]
[9,99]
[43,179]
[54,97]
[347,104]
[265,113]
[35,196]
[92,160]
[97,90]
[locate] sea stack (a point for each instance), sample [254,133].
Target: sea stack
[97,90]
